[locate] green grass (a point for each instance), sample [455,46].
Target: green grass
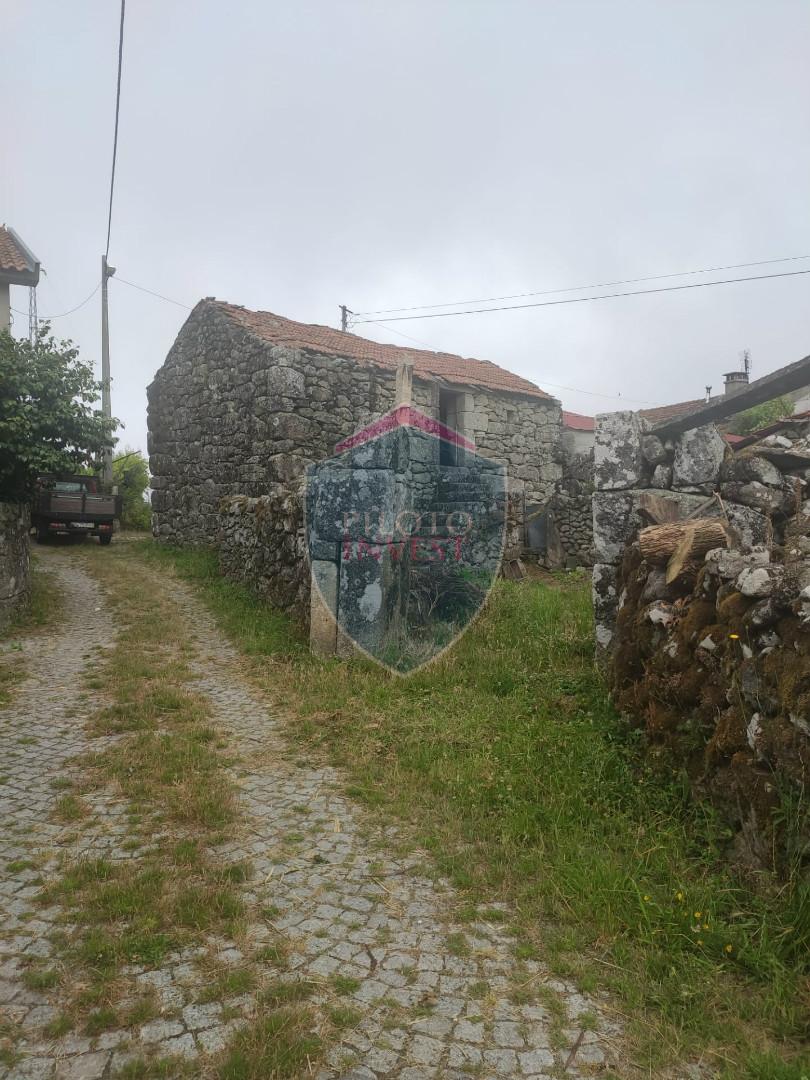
[344,984]
[507,762]
[101,1020]
[230,982]
[59,1026]
[278,993]
[68,809]
[343,1017]
[154,1069]
[40,978]
[16,865]
[274,1046]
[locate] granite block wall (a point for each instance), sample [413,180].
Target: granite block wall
[15,560]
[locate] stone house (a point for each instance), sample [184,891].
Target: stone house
[246,400]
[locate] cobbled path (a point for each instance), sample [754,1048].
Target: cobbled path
[434,997]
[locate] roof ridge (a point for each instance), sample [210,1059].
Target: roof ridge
[427,364]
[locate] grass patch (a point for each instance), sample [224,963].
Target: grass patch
[16,865]
[40,978]
[276,955]
[230,982]
[69,808]
[155,1069]
[59,1026]
[101,1020]
[286,993]
[508,763]
[456,945]
[344,1017]
[344,984]
[274,1046]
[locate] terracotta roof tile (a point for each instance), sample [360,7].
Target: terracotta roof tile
[12,257]
[578,422]
[453,369]
[668,412]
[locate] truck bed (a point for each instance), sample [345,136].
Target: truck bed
[79,507]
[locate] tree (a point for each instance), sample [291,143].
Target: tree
[131,474]
[761,416]
[47,420]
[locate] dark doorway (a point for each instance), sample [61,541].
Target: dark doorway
[450,416]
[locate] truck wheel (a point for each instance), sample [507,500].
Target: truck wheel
[105,538]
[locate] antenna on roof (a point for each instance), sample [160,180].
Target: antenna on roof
[745,356]
[344,317]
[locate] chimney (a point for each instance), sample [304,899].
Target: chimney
[735,382]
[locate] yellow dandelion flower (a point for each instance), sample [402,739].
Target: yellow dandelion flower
[734,637]
[700,941]
[697,914]
[647,899]
[729,948]
[705,926]
[679,897]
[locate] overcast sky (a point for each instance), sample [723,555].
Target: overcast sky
[291,156]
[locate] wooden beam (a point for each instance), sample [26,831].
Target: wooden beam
[793,377]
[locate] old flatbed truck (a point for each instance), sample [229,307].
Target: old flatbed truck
[74,505]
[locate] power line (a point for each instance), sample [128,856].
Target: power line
[556,386]
[582,288]
[115,136]
[418,341]
[160,296]
[594,393]
[588,299]
[62,314]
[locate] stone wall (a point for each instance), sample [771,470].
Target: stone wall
[630,465]
[715,664]
[261,543]
[571,512]
[15,560]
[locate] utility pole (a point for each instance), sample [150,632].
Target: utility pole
[344,317]
[106,409]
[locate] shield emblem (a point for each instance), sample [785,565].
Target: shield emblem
[405,529]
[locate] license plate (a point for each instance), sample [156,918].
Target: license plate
[81,524]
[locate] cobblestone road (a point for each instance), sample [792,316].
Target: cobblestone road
[433,997]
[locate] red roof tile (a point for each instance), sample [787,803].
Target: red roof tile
[453,369]
[668,412]
[578,422]
[13,258]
